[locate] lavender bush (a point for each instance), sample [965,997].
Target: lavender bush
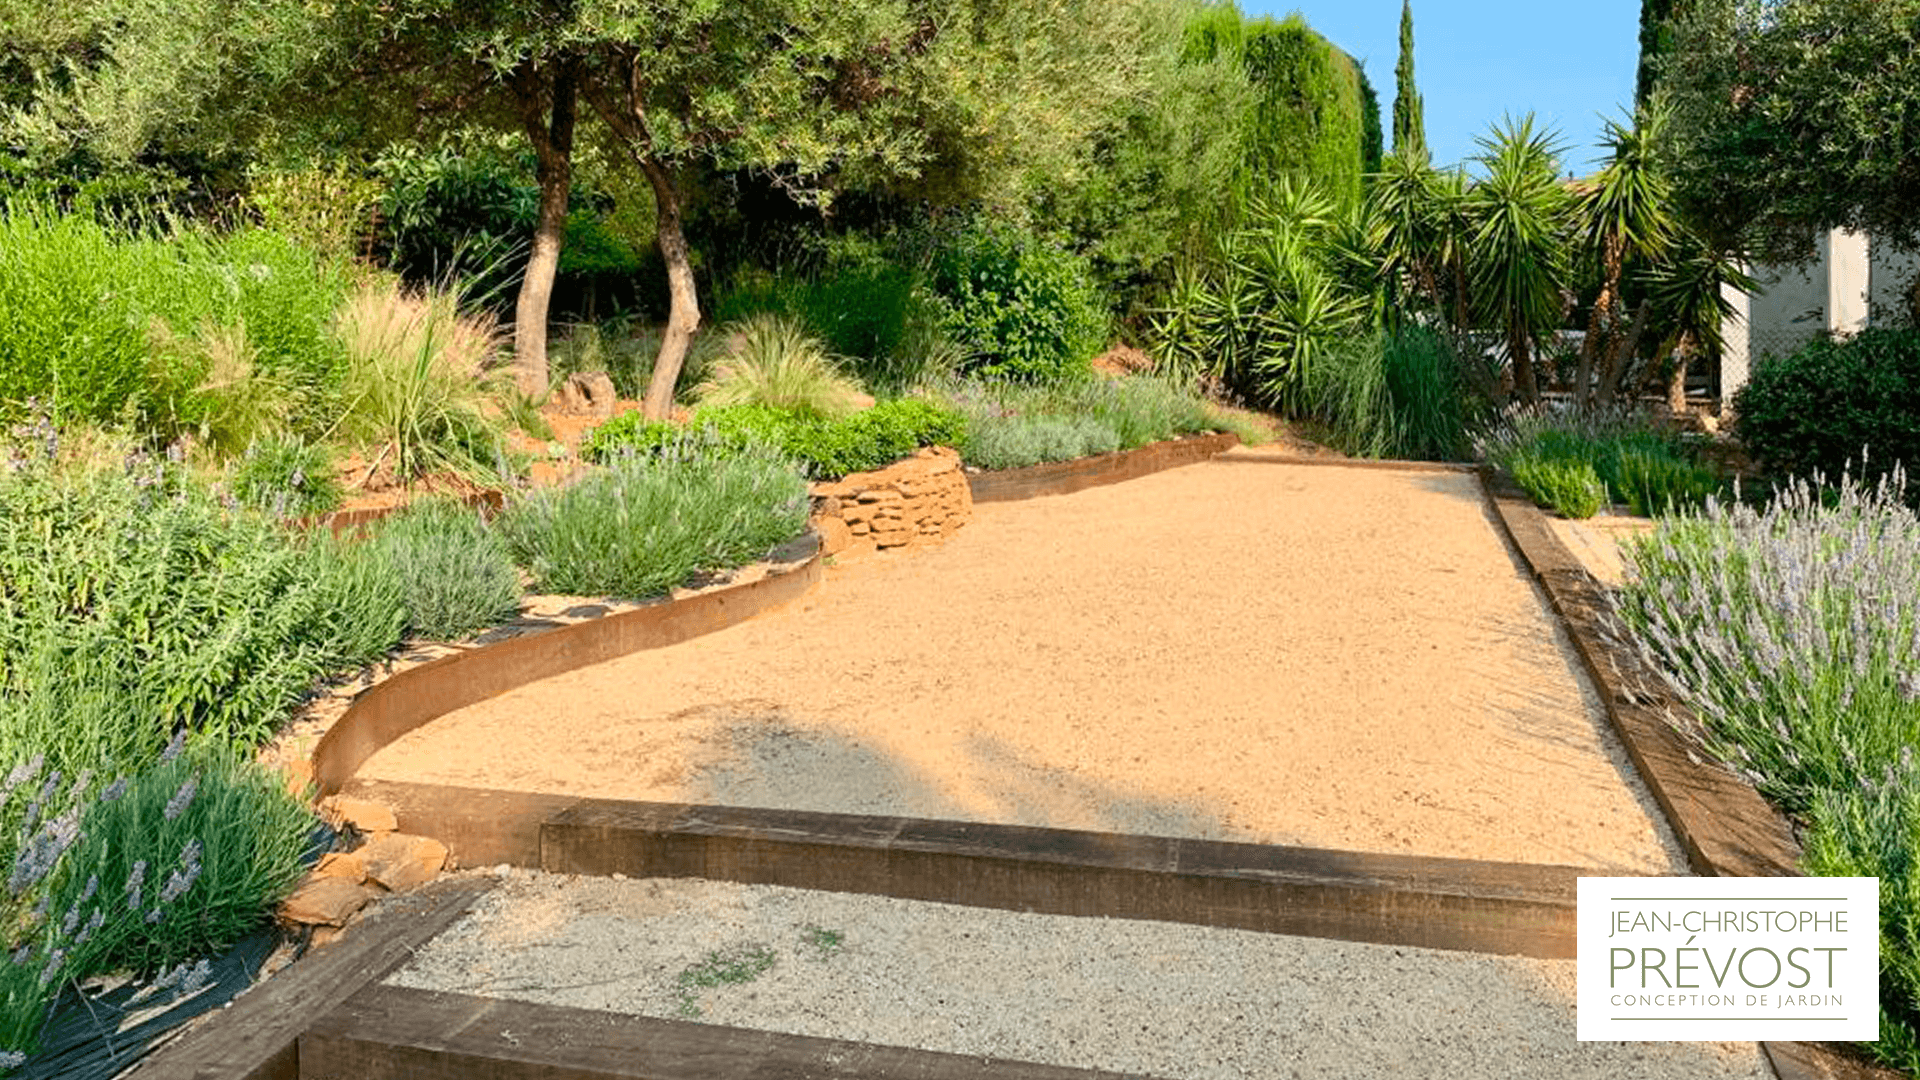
[139,872]
[1794,634]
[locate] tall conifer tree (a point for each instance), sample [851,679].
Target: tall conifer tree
[1409,119]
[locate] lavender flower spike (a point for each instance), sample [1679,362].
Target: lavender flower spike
[182,797]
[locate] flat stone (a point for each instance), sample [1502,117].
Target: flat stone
[398,862]
[835,535]
[368,817]
[325,901]
[350,865]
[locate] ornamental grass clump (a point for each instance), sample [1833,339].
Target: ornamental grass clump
[1793,632]
[647,522]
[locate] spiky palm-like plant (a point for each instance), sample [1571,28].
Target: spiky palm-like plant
[1688,294]
[1625,214]
[1519,252]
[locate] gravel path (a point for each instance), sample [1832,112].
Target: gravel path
[1272,653]
[1171,1001]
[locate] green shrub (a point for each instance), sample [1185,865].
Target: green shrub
[456,573]
[1869,832]
[248,830]
[286,477]
[1790,632]
[1036,439]
[160,329]
[135,600]
[1652,470]
[643,524]
[167,862]
[771,360]
[1012,426]
[1571,488]
[870,439]
[1656,482]
[1021,308]
[1820,409]
[626,353]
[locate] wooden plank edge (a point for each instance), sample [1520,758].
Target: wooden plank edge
[396,1033]
[1452,904]
[1254,456]
[256,1036]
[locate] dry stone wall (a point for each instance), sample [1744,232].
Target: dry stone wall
[908,503]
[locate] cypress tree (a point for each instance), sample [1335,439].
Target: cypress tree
[1656,36]
[1409,119]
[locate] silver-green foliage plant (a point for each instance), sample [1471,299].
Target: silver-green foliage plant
[133,601]
[644,523]
[1011,426]
[1393,394]
[455,570]
[148,864]
[1793,633]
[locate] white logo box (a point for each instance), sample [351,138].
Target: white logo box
[1668,959]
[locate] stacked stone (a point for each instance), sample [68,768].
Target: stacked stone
[920,499]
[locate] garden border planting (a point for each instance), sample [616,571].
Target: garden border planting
[1728,830]
[1067,477]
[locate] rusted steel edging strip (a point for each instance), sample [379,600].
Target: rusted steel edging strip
[391,708]
[1727,828]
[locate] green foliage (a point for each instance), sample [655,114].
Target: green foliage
[175,859]
[1011,426]
[623,351]
[132,602]
[248,831]
[285,477]
[645,523]
[1288,284]
[421,378]
[1307,123]
[772,361]
[1653,471]
[1572,489]
[1519,254]
[1836,406]
[1393,394]
[722,967]
[329,208]
[1869,832]
[1790,631]
[176,331]
[1409,110]
[1794,118]
[1022,308]
[870,439]
[455,570]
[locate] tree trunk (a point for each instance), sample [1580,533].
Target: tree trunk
[683,304]
[1621,354]
[1521,356]
[1600,325]
[547,113]
[683,311]
[1677,382]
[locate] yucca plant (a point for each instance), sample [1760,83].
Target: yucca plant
[1624,214]
[421,378]
[1520,250]
[772,360]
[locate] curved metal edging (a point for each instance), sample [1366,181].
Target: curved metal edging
[1066,477]
[390,709]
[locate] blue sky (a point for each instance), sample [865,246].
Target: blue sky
[1475,60]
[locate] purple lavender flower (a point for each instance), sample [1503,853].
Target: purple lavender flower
[174,746]
[115,789]
[178,804]
[136,879]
